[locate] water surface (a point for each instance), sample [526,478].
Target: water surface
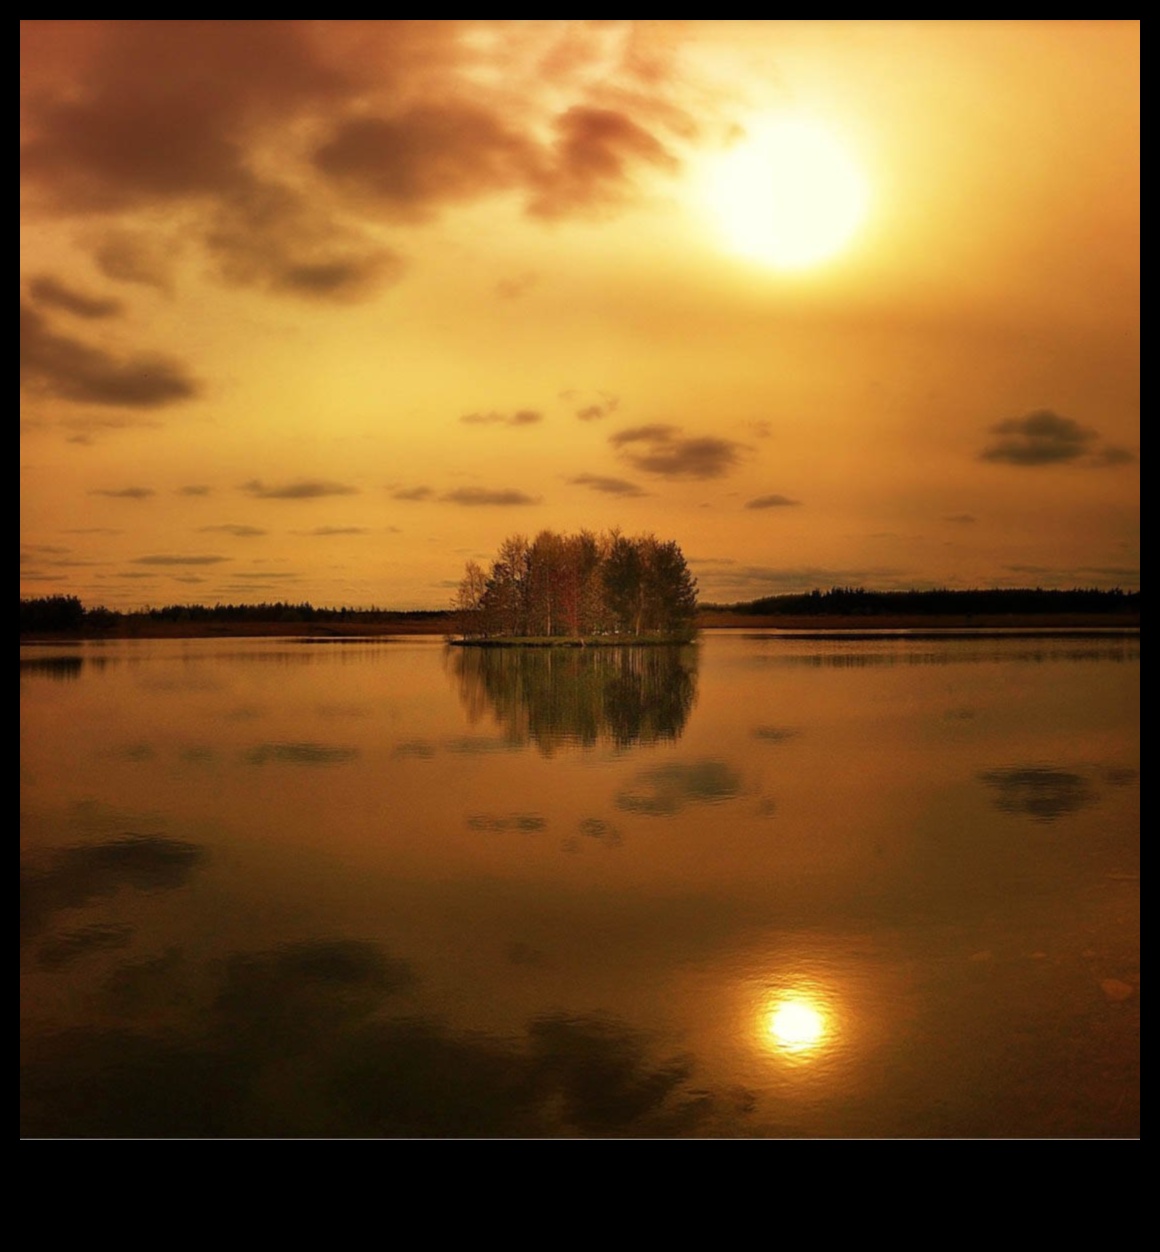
[757,887]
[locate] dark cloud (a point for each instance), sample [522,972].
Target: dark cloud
[301,489]
[655,432]
[230,528]
[165,108]
[771,502]
[591,161]
[195,489]
[269,236]
[412,493]
[183,118]
[45,289]
[522,417]
[483,496]
[326,531]
[1045,438]
[659,448]
[427,156]
[66,367]
[611,486]
[168,559]
[130,257]
[125,493]
[964,519]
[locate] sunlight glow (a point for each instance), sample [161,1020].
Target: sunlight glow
[797,1025]
[789,195]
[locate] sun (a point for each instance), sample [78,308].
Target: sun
[788,195]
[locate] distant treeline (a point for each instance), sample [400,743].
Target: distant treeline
[68,613]
[858,602]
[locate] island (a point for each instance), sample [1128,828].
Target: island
[583,589]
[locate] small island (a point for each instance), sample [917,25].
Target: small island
[577,590]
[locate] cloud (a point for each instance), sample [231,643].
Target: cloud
[84,427]
[183,120]
[426,156]
[472,496]
[964,519]
[412,494]
[45,289]
[599,409]
[133,257]
[72,370]
[229,528]
[771,502]
[124,493]
[611,486]
[1045,438]
[522,417]
[326,531]
[591,162]
[195,489]
[301,489]
[170,559]
[659,448]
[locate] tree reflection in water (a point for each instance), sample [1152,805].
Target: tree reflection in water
[579,696]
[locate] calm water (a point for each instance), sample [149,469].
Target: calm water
[760,887]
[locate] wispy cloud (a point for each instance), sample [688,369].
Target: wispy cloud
[774,501]
[611,486]
[300,489]
[231,528]
[124,493]
[327,531]
[165,558]
[473,496]
[522,417]
[412,494]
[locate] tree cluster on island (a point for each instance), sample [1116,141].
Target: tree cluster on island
[584,586]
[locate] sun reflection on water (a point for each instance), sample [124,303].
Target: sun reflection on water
[799,1023]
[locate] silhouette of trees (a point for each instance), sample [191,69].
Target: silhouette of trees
[579,586]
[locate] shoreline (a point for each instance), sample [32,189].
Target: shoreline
[788,624]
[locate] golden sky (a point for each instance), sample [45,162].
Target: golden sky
[321,310]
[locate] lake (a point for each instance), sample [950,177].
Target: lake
[764,886]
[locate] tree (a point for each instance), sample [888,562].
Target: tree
[581,585]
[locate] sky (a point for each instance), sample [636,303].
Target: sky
[322,310]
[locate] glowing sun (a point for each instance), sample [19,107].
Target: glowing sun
[789,195]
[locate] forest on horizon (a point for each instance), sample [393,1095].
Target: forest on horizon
[68,614]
